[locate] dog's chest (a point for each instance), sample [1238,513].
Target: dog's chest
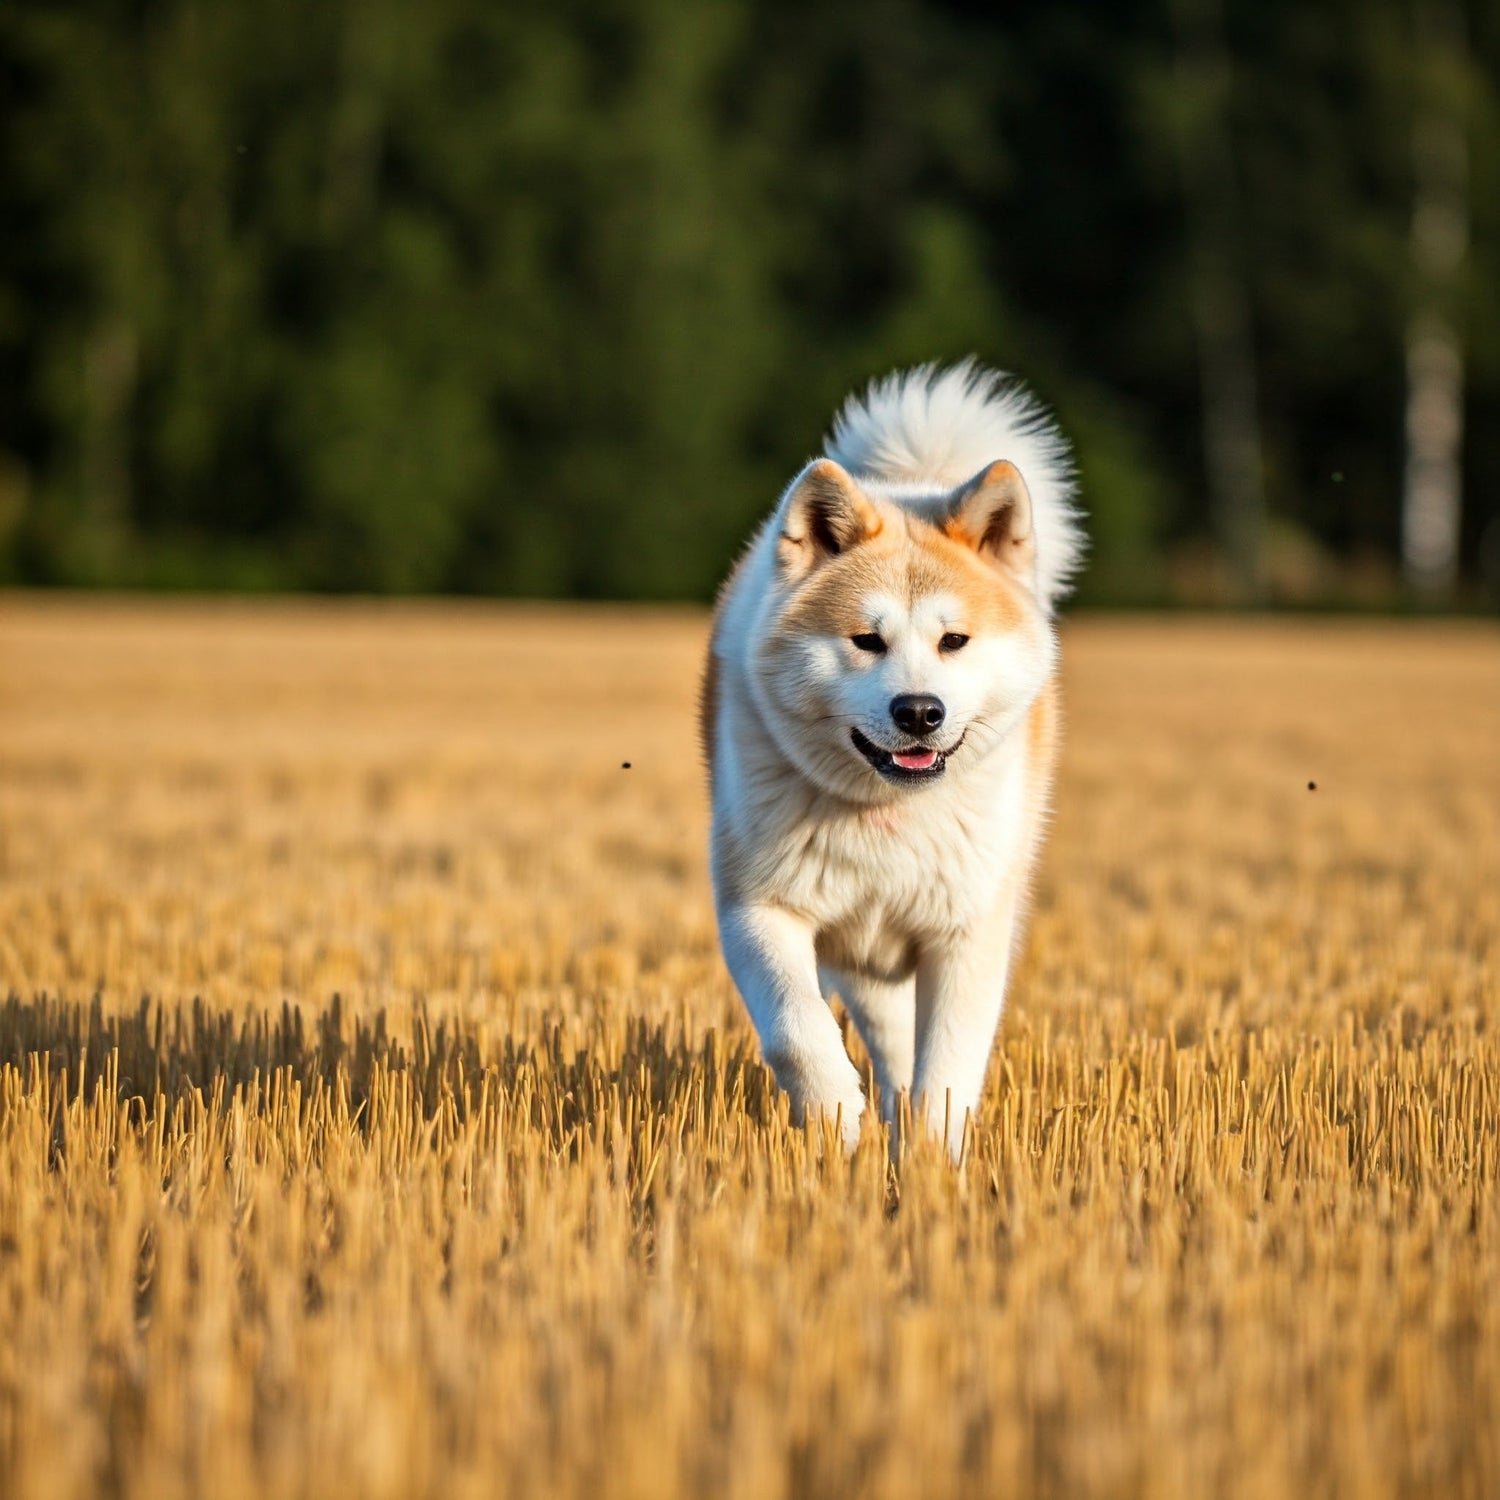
[878,881]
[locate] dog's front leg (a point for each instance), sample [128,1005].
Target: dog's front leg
[770,953]
[960,994]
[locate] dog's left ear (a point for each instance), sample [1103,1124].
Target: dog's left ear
[992,514]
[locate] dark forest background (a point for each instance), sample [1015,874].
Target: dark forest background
[451,295]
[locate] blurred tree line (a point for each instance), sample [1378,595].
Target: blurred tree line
[456,295]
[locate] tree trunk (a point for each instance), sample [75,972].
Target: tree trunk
[1433,498]
[1220,299]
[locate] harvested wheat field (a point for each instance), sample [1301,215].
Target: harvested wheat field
[377,1119]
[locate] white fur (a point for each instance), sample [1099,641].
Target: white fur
[935,425]
[906,899]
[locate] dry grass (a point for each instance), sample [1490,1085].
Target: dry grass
[520,1215]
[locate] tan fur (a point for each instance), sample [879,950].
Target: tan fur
[1043,742]
[906,557]
[708,706]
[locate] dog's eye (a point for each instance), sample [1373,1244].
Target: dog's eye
[953,641]
[869,642]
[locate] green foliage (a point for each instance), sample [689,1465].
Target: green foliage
[406,296]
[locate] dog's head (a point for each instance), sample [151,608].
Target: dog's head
[904,641]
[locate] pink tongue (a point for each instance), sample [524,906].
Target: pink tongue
[915,760]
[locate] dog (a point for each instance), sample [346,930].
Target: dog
[879,715]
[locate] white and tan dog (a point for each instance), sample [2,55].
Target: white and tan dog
[880,719]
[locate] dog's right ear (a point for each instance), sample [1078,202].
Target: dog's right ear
[823,514]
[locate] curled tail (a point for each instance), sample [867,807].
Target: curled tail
[939,426]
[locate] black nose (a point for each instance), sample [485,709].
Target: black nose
[917,713]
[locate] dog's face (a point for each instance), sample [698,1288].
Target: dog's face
[904,643]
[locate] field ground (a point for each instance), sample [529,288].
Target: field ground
[518,1213]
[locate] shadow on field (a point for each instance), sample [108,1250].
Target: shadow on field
[148,1060]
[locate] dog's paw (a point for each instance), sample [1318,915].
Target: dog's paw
[846,1118]
[822,1089]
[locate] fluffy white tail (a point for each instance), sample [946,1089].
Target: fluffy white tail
[941,426]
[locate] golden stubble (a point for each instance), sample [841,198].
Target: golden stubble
[521,1212]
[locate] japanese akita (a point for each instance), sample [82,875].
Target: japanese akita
[880,717]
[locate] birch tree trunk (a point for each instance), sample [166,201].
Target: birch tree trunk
[1433,496]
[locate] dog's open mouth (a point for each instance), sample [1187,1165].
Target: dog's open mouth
[915,763]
